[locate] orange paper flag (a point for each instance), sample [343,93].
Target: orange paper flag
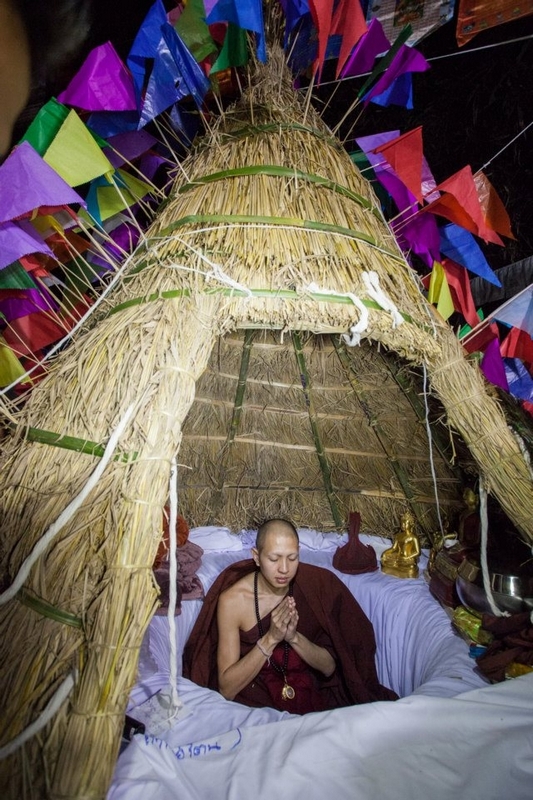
[492,207]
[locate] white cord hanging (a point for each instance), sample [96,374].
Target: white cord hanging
[67,512]
[173,577]
[44,718]
[483,515]
[371,281]
[430,443]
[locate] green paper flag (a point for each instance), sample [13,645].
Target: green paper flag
[15,277]
[75,155]
[234,51]
[10,367]
[194,31]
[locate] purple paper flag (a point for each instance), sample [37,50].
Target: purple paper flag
[102,83]
[371,45]
[128,146]
[27,182]
[399,93]
[406,60]
[16,242]
[418,234]
[30,301]
[492,365]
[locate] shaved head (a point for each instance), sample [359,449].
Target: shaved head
[279,526]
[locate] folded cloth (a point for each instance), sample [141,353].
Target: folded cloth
[189,586]
[513,642]
[354,557]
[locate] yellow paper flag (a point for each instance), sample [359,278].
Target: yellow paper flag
[113,199]
[439,291]
[75,155]
[10,367]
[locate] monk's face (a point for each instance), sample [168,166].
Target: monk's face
[15,71]
[278,559]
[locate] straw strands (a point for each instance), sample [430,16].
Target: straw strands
[273,430]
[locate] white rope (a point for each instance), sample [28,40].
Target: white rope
[523,449]
[374,290]
[217,273]
[48,712]
[173,577]
[69,511]
[483,514]
[430,443]
[360,327]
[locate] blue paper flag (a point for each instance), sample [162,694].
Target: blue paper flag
[518,378]
[459,245]
[247,15]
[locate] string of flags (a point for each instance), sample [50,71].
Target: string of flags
[79,188]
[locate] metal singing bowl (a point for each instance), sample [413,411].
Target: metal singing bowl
[512,593]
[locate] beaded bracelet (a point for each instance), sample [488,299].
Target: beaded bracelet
[264,652]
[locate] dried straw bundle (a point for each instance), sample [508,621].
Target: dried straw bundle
[273,234]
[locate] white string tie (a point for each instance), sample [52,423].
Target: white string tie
[354,337]
[374,290]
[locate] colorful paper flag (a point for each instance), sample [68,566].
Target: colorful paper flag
[75,155]
[348,21]
[101,84]
[439,291]
[248,15]
[371,45]
[459,245]
[405,155]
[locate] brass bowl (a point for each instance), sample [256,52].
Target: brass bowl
[512,593]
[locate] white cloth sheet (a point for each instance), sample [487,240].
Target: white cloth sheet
[445,738]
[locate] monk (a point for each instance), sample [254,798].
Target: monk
[274,632]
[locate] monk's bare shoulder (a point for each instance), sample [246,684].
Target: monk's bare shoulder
[235,600]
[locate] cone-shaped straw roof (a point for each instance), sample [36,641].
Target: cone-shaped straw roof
[269,227]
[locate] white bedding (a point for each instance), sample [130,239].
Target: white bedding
[221,749]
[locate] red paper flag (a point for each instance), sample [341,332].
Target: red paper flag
[35,331]
[459,284]
[479,340]
[348,21]
[322,12]
[460,204]
[405,155]
[493,209]
[518,344]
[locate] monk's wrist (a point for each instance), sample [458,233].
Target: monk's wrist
[295,640]
[266,645]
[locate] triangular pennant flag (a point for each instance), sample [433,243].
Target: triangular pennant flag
[234,51]
[322,14]
[405,155]
[399,93]
[439,292]
[45,125]
[494,211]
[459,284]
[15,277]
[492,365]
[75,155]
[406,60]
[193,30]
[10,367]
[18,240]
[348,21]
[28,182]
[101,84]
[145,44]
[124,193]
[248,15]
[459,245]
[518,344]
[189,75]
[371,45]
[518,311]
[33,332]
[20,304]
[519,380]
[460,204]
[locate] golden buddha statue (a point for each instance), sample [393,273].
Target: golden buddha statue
[401,559]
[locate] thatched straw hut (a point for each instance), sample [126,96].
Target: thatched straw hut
[270,246]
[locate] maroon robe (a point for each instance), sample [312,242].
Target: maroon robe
[332,617]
